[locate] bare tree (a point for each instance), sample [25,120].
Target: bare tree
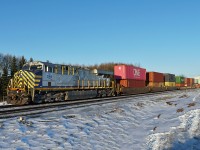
[7,61]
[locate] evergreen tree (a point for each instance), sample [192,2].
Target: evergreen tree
[5,80]
[22,61]
[31,59]
[13,66]
[1,91]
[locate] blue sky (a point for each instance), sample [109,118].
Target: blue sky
[160,35]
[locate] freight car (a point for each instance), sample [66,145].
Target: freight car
[39,82]
[135,80]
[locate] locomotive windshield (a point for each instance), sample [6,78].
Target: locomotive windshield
[35,67]
[32,67]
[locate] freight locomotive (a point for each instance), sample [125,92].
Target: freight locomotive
[40,82]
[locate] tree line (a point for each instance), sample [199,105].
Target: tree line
[9,64]
[109,66]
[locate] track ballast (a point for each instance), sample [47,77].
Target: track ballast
[14,111]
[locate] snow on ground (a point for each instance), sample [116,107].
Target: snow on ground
[3,103]
[165,121]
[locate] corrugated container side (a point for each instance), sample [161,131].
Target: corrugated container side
[120,72]
[187,82]
[129,72]
[169,77]
[132,83]
[180,80]
[180,84]
[156,84]
[196,81]
[155,77]
[191,81]
[197,85]
[171,84]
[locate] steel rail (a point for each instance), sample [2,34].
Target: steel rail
[49,107]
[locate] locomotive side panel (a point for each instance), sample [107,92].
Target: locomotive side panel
[59,80]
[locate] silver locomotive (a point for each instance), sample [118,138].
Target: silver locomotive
[44,81]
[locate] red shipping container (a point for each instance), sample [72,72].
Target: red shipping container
[129,72]
[192,81]
[197,85]
[187,82]
[155,77]
[132,83]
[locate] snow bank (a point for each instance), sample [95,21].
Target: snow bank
[152,122]
[184,136]
[3,103]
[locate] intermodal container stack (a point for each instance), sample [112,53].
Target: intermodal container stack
[170,80]
[191,82]
[187,81]
[155,79]
[197,81]
[180,81]
[130,76]
[132,83]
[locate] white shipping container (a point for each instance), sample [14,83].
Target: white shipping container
[197,80]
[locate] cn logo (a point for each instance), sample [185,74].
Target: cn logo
[136,72]
[49,76]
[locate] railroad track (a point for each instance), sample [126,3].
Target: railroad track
[13,111]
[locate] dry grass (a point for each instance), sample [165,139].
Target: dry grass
[69,116]
[159,116]
[183,96]
[164,98]
[180,110]
[115,110]
[191,104]
[169,103]
[140,104]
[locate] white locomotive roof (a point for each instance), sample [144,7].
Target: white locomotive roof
[49,64]
[102,72]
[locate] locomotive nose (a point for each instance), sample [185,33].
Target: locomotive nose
[19,87]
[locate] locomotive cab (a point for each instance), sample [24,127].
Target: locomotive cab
[33,67]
